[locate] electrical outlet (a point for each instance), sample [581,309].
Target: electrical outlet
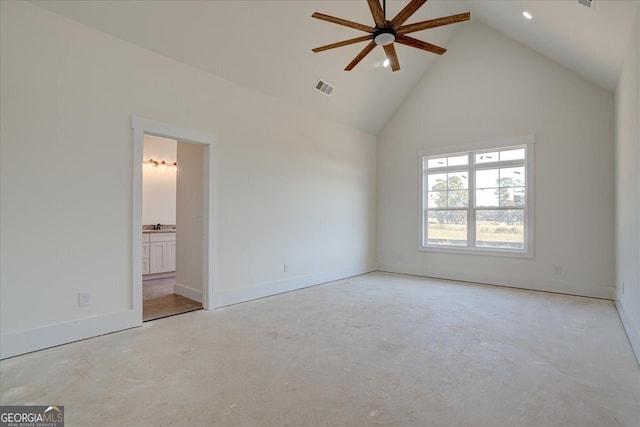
[84,299]
[557,269]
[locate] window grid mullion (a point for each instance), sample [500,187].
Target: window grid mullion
[502,164]
[500,208]
[447,209]
[471,214]
[445,169]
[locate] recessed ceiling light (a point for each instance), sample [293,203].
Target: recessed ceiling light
[527,14]
[385,63]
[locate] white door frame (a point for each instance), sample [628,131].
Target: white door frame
[142,126]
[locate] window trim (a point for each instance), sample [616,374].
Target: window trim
[449,151]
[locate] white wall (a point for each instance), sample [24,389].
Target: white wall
[293,187]
[158,184]
[488,87]
[189,234]
[628,191]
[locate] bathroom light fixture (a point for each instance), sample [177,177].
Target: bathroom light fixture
[162,164]
[527,14]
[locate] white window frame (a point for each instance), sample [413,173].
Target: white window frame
[526,142]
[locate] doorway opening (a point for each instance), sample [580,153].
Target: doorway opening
[173,223]
[165,292]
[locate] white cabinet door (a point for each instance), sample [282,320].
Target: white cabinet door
[145,250]
[157,256]
[171,256]
[162,253]
[145,253]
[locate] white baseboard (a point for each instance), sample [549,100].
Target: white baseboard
[187,292]
[278,287]
[50,336]
[631,328]
[508,280]
[158,275]
[63,333]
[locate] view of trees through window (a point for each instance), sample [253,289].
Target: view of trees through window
[476,199]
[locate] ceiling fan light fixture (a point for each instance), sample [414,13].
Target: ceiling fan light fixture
[386,32]
[384,36]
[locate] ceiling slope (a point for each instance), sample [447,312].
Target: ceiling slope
[589,41]
[266,44]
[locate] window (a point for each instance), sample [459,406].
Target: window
[479,199]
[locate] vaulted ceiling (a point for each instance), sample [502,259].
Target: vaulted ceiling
[266,44]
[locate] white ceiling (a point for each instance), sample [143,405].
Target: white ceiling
[266,44]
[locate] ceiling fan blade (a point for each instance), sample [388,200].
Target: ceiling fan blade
[432,23]
[342,43]
[378,14]
[406,13]
[361,55]
[410,41]
[344,22]
[392,56]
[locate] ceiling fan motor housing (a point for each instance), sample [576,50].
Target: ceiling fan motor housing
[384,36]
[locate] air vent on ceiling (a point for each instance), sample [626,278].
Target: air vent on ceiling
[586,2]
[324,87]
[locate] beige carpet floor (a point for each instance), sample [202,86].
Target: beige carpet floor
[377,349]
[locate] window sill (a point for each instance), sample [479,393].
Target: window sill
[475,251]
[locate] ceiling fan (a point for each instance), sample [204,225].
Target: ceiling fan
[385,32]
